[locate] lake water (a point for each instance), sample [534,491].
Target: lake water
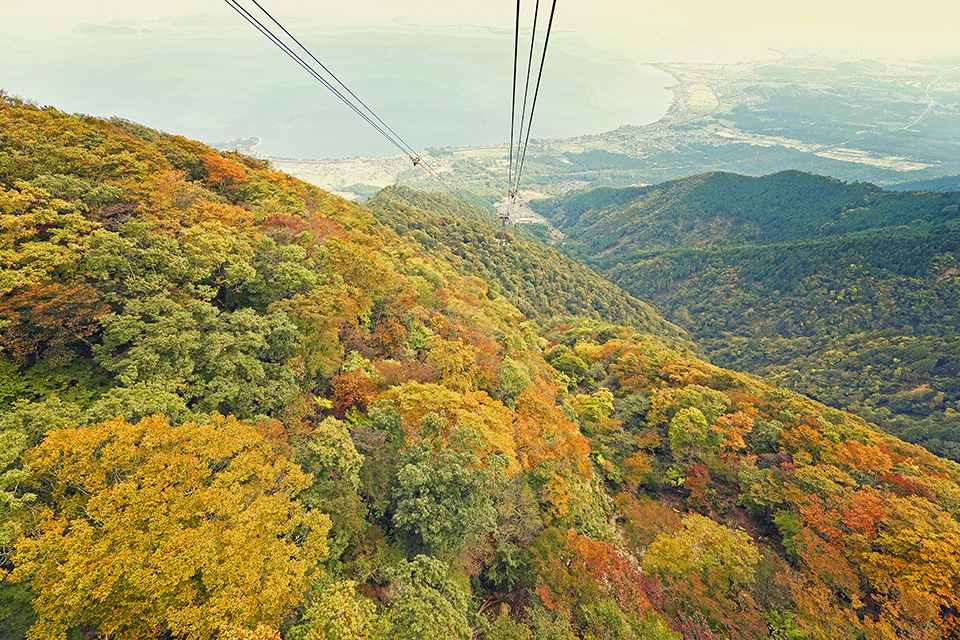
[434,86]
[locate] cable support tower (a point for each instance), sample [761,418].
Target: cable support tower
[520,140]
[344,94]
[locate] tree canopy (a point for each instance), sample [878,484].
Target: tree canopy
[235,406]
[149,527]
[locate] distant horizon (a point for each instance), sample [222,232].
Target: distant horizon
[437,73]
[886,26]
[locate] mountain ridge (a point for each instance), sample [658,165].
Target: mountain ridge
[864,271]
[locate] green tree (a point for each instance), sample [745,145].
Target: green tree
[337,613]
[690,434]
[12,499]
[429,605]
[441,495]
[334,462]
[22,427]
[231,362]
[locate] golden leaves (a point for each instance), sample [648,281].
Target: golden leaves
[190,528]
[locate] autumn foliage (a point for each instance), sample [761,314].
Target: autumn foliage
[221,173]
[153,527]
[202,357]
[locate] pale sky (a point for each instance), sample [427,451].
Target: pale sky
[437,69]
[892,26]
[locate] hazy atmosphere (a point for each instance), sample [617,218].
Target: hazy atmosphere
[680,360]
[437,72]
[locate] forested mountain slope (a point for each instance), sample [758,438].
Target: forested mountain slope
[945,183]
[726,209]
[843,292]
[236,407]
[538,279]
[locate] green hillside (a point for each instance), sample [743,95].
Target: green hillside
[538,279]
[236,407]
[726,209]
[945,183]
[854,306]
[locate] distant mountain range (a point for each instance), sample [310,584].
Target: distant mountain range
[845,292]
[946,183]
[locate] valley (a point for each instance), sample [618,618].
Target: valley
[843,292]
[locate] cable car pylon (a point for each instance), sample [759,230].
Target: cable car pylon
[505,213]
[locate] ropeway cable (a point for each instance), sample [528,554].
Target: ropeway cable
[518,155]
[372,119]
[306,67]
[536,92]
[515,178]
[513,101]
[354,102]
[334,76]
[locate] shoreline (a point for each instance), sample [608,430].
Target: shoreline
[667,113]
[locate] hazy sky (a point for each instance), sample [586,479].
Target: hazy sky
[437,70]
[919,25]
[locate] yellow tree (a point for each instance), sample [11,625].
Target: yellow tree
[152,529]
[318,315]
[914,567]
[488,419]
[38,235]
[708,566]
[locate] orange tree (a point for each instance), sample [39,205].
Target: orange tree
[150,529]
